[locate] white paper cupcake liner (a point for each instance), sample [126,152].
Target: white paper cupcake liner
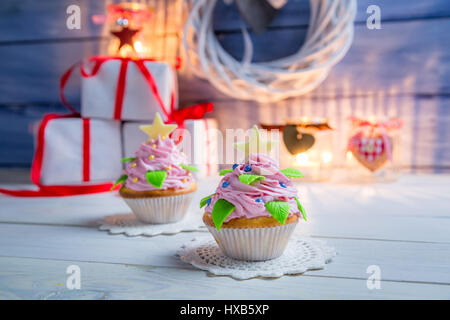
[160,209]
[253,244]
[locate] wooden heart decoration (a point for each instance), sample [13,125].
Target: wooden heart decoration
[371,152]
[295,141]
[257,14]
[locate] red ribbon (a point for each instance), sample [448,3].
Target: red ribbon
[120,92]
[62,83]
[193,112]
[86,150]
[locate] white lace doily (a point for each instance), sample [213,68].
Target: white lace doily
[129,225]
[301,254]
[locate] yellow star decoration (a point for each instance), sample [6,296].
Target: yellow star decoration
[255,144]
[158,127]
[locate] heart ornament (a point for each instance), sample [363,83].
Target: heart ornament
[371,151]
[297,141]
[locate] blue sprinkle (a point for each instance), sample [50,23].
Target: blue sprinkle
[248,168]
[259,200]
[235,166]
[282,185]
[225,184]
[208,202]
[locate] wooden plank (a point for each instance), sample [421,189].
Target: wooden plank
[86,210]
[271,45]
[401,58]
[296,12]
[46,19]
[398,261]
[351,211]
[17,127]
[31,73]
[340,220]
[39,279]
[15,175]
[391,68]
[398,198]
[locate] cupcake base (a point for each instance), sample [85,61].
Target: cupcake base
[168,207]
[253,243]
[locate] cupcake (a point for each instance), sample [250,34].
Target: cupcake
[255,208]
[157,184]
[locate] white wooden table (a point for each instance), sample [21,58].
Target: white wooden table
[403,227]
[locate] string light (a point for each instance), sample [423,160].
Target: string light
[327,157]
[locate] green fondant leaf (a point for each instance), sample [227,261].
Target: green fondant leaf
[249,178]
[300,207]
[156,178]
[190,168]
[128,159]
[291,172]
[279,210]
[224,171]
[122,179]
[221,210]
[204,200]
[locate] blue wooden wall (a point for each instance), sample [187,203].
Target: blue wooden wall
[401,70]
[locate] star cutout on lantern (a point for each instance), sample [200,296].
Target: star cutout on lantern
[158,127]
[125,36]
[255,144]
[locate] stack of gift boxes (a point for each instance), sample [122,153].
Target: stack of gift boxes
[117,96]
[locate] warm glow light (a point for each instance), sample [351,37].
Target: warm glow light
[138,46]
[157,23]
[349,155]
[302,158]
[327,156]
[127,51]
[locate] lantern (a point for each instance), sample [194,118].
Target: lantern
[307,146]
[372,151]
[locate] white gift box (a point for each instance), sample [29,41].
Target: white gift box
[200,144]
[80,151]
[101,96]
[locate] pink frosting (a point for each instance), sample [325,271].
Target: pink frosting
[166,155]
[275,186]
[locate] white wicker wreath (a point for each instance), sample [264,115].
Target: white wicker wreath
[329,36]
